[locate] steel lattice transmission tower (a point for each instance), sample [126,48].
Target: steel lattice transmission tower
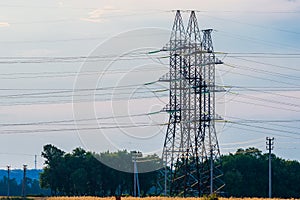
[191,151]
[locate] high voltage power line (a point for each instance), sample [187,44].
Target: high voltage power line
[73,74]
[104,16]
[51,93]
[256,131]
[262,71]
[256,25]
[258,40]
[82,120]
[268,64]
[243,142]
[278,123]
[261,78]
[131,56]
[143,124]
[58,92]
[274,131]
[246,96]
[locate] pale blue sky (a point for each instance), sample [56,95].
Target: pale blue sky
[72,28]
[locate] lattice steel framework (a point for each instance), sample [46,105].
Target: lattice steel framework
[191,152]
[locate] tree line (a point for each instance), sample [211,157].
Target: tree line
[80,173]
[15,188]
[246,174]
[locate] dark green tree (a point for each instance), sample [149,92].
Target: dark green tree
[246,175]
[84,173]
[53,176]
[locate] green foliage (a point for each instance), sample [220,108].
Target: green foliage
[81,173]
[246,175]
[32,187]
[15,198]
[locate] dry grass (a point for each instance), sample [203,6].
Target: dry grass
[81,198]
[251,199]
[148,198]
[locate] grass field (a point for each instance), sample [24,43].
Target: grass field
[146,198]
[130,198]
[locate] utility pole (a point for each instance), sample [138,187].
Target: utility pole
[8,180]
[24,182]
[270,147]
[136,184]
[35,161]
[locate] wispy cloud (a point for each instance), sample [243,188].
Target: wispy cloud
[4,24]
[94,16]
[97,15]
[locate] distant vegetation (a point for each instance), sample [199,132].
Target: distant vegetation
[32,186]
[80,173]
[246,175]
[147,198]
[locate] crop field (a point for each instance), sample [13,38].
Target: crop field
[133,198]
[147,198]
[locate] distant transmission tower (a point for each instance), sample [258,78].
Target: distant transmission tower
[191,151]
